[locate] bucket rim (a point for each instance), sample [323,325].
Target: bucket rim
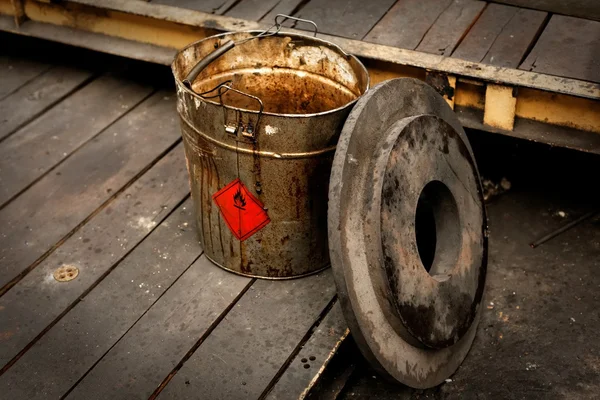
[184,88]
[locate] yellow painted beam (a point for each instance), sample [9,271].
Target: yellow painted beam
[470,94]
[114,23]
[7,8]
[559,109]
[500,106]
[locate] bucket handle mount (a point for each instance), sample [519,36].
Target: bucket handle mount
[247,130]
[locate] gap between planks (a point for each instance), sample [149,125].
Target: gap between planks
[125,161]
[299,346]
[142,315]
[42,358]
[246,351]
[199,342]
[36,100]
[107,202]
[28,334]
[9,196]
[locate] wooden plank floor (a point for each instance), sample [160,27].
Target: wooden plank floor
[94,178]
[473,30]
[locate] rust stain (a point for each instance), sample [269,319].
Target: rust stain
[290,77]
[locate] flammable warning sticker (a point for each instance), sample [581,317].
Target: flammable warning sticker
[243,213]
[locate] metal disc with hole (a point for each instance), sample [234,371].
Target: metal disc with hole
[407,232]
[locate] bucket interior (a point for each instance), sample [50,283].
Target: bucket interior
[291,74]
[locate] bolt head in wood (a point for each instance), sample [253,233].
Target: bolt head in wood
[66,273]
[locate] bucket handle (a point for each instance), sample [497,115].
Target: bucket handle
[286,17]
[248,130]
[230,44]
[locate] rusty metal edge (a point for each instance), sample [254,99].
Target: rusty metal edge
[268,278]
[268,154]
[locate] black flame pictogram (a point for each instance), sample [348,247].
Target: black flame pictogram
[238,200]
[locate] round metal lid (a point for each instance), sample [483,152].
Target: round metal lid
[407,232]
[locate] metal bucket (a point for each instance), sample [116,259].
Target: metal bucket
[260,123]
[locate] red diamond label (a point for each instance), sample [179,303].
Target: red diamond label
[243,213]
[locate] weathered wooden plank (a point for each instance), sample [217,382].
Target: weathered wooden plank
[137,365]
[247,349]
[90,40]
[516,39]
[445,34]
[406,23]
[568,47]
[484,32]
[56,204]
[225,7]
[316,354]
[207,6]
[577,8]
[252,10]
[501,36]
[346,18]
[285,7]
[37,300]
[17,71]
[63,355]
[37,95]
[23,59]
[384,54]
[33,150]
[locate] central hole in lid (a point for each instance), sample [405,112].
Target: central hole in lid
[437,230]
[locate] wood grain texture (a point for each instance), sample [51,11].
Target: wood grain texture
[17,71]
[346,18]
[33,150]
[450,27]
[37,95]
[33,303]
[286,7]
[577,8]
[484,32]
[517,37]
[245,351]
[207,6]
[501,36]
[568,47]
[252,10]
[94,325]
[152,348]
[406,23]
[57,203]
[315,353]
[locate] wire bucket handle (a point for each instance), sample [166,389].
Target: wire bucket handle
[230,44]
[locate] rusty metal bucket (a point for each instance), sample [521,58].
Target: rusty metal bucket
[260,118]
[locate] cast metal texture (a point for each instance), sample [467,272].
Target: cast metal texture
[308,87]
[413,325]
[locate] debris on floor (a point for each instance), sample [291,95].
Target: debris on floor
[493,189]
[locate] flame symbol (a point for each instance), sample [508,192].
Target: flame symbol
[238,200]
